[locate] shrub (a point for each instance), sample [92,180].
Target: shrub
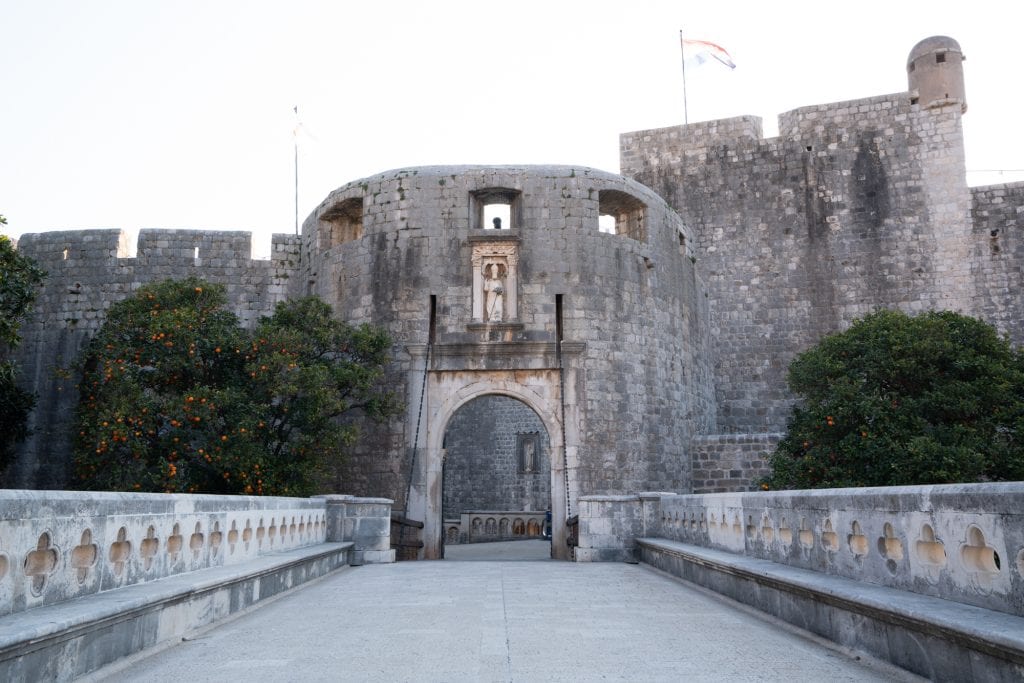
[176,396]
[895,399]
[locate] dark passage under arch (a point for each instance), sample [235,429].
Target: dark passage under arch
[497,472]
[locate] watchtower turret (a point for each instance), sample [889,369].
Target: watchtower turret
[935,72]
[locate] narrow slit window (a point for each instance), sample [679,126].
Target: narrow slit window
[432,329]
[558,317]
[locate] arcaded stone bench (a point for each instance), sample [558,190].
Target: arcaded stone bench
[930,636]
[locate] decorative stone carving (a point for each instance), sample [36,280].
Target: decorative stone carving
[528,448]
[495,281]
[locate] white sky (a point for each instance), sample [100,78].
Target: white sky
[178,114]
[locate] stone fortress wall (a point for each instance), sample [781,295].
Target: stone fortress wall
[676,331]
[409,250]
[855,206]
[87,271]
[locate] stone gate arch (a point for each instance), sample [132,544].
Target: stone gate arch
[444,394]
[496,458]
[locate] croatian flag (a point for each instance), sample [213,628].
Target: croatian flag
[697,52]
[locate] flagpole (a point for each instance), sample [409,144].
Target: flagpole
[295,143]
[682,53]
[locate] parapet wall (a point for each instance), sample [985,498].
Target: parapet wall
[87,271]
[60,545]
[961,542]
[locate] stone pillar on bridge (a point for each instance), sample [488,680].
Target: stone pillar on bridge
[366,522]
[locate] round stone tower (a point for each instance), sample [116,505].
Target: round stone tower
[935,72]
[584,305]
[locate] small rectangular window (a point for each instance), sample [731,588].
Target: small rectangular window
[342,223]
[495,208]
[497,216]
[940,58]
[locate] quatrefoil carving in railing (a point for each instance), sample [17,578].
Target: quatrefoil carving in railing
[84,556]
[148,549]
[41,563]
[120,551]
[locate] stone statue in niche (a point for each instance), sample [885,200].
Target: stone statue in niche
[529,451]
[494,292]
[495,282]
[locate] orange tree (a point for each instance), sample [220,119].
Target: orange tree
[900,400]
[176,396]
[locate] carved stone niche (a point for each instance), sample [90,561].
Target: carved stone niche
[495,281]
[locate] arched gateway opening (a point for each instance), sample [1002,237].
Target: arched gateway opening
[496,477]
[444,394]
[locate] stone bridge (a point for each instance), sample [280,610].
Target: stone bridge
[851,584]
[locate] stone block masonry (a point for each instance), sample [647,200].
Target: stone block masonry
[87,271]
[856,205]
[654,351]
[731,462]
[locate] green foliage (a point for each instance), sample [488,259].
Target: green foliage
[176,396]
[900,400]
[19,283]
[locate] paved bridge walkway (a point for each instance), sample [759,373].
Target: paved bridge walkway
[501,620]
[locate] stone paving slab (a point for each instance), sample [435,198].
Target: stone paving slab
[500,621]
[506,551]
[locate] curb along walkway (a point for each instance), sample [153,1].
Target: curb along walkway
[498,621]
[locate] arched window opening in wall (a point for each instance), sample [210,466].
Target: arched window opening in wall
[495,209]
[342,223]
[625,210]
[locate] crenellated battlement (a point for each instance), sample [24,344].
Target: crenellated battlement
[177,246]
[88,271]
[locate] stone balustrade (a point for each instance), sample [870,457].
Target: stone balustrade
[962,542]
[59,545]
[487,526]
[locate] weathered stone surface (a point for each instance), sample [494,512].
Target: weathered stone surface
[960,542]
[935,638]
[667,366]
